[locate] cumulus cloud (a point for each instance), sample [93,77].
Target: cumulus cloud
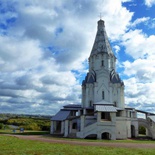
[139,95]
[15,55]
[138,44]
[140,68]
[149,3]
[140,20]
[45,47]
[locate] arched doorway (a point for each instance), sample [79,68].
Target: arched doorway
[106,135]
[144,128]
[133,131]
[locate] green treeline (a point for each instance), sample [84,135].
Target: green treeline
[28,123]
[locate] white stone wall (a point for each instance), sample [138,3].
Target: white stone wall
[121,129]
[153,129]
[93,92]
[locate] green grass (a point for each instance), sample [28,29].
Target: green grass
[30,132]
[15,146]
[26,132]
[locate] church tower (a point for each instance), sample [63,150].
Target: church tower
[102,84]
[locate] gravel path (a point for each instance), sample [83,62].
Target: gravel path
[84,143]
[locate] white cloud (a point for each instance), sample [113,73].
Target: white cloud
[152,24]
[116,48]
[15,55]
[117,18]
[138,44]
[140,20]
[141,70]
[149,3]
[140,95]
[44,43]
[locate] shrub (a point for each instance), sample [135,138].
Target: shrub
[30,123]
[142,130]
[32,126]
[1,125]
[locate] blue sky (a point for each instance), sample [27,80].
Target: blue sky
[45,45]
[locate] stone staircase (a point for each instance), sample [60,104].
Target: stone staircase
[57,135]
[72,135]
[90,129]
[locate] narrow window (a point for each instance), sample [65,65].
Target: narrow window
[102,63]
[90,103]
[102,94]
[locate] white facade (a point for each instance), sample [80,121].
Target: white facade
[102,113]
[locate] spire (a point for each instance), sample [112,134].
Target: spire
[101,44]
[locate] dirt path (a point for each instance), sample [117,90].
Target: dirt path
[84,143]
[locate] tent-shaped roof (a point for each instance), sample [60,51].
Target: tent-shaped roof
[101,43]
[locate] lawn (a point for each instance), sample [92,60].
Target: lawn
[26,132]
[15,146]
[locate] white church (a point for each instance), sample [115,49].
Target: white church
[102,113]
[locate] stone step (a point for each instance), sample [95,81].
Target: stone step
[57,135]
[72,135]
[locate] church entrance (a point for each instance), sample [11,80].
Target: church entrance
[132,131]
[143,131]
[58,126]
[106,135]
[74,126]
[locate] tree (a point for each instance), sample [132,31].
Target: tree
[142,130]
[1,125]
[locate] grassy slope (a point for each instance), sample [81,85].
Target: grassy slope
[15,146]
[26,132]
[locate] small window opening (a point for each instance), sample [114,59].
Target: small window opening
[74,126]
[90,103]
[105,116]
[102,63]
[118,114]
[102,94]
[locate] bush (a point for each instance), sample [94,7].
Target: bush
[1,125]
[142,130]
[32,126]
[30,123]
